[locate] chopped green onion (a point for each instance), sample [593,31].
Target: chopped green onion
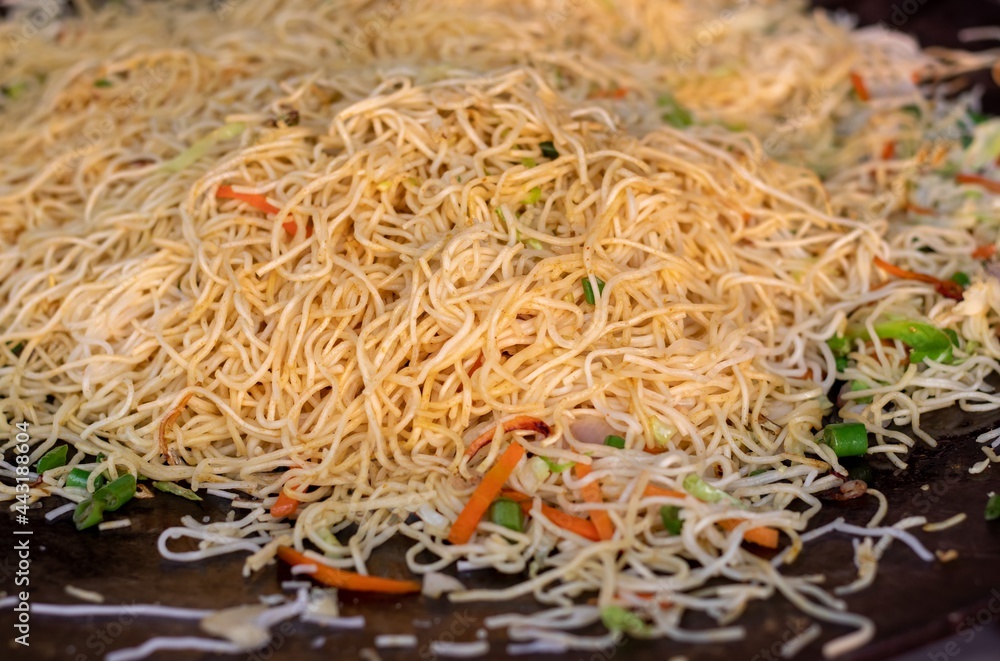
[505,512]
[500,215]
[993,508]
[616,618]
[924,340]
[662,432]
[615,442]
[15,90]
[530,242]
[534,195]
[78,478]
[116,493]
[588,289]
[548,149]
[201,147]
[848,439]
[912,109]
[841,362]
[962,278]
[977,117]
[88,513]
[177,490]
[102,82]
[839,345]
[674,113]
[670,515]
[52,459]
[704,491]
[528,162]
[759,471]
[557,467]
[327,536]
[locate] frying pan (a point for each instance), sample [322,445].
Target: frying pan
[911,602]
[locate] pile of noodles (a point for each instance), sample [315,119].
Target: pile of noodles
[430,284]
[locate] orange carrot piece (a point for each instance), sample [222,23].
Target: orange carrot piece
[592,494]
[476,365]
[947,288]
[488,489]
[284,506]
[347,580]
[859,86]
[516,496]
[989,184]
[616,93]
[763,536]
[984,252]
[652,490]
[521,422]
[574,524]
[260,202]
[917,209]
[253,199]
[888,150]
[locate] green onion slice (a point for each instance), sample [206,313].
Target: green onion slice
[588,289]
[670,515]
[52,459]
[505,512]
[177,490]
[848,439]
[615,441]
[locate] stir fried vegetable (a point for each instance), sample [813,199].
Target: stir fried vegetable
[848,439]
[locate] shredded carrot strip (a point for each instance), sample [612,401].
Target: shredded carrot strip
[989,184]
[476,365]
[574,524]
[521,422]
[253,199]
[516,496]
[260,202]
[888,150]
[617,93]
[347,580]
[465,525]
[652,490]
[916,208]
[859,86]
[284,506]
[944,287]
[592,494]
[984,252]
[766,537]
